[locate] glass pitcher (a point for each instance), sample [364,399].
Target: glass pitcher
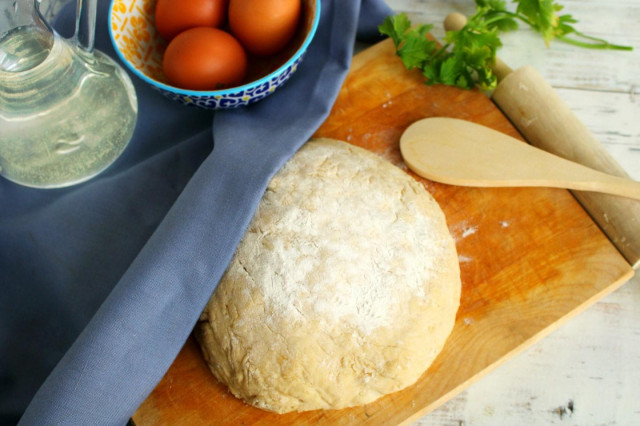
[67,111]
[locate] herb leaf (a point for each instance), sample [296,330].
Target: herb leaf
[412,44]
[541,16]
[474,48]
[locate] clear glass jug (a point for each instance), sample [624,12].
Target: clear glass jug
[67,111]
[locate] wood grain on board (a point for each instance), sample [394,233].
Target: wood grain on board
[530,259]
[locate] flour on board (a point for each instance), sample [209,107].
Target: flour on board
[463,230]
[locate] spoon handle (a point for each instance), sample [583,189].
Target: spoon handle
[608,184]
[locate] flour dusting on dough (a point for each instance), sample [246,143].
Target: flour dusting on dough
[369,296]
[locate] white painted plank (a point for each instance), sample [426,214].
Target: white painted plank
[591,362]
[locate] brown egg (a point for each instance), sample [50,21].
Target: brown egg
[264,26]
[204,58]
[174,16]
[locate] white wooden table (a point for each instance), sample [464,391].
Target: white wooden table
[588,371]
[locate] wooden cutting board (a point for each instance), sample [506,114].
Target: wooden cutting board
[530,259]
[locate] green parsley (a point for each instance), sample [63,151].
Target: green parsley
[468,55]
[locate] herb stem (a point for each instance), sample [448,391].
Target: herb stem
[441,51]
[599,43]
[505,14]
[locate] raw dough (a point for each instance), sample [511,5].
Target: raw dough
[343,289]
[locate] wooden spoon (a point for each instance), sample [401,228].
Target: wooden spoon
[460,152]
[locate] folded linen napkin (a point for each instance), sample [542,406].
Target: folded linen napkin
[104,281]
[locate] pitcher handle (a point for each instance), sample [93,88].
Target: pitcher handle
[85,24]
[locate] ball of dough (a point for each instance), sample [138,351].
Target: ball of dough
[343,289]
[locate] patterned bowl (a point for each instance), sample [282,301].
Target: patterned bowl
[140,47]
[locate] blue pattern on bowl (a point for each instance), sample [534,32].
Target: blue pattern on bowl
[233,99]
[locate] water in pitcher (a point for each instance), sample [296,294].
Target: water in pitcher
[66,113]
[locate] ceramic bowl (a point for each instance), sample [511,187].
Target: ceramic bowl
[140,47]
